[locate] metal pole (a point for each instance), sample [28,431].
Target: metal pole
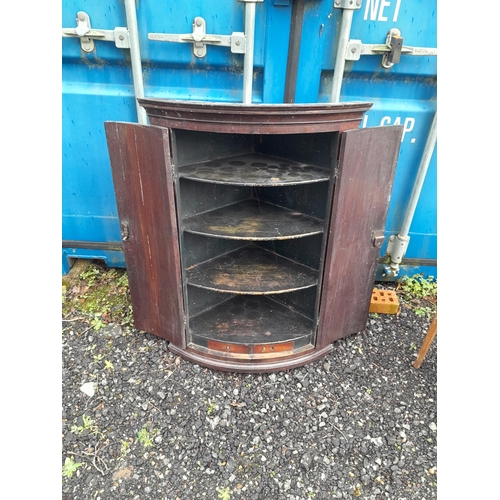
[419,181]
[338,71]
[398,244]
[248,60]
[135,56]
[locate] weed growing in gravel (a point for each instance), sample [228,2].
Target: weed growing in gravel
[70,466]
[97,322]
[88,425]
[210,407]
[224,493]
[145,437]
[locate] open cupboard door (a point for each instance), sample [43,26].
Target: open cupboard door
[366,167]
[144,188]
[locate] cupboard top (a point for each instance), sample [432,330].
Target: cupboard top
[254,118]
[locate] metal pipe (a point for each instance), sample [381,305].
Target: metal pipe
[249,47]
[419,181]
[338,71]
[398,244]
[135,57]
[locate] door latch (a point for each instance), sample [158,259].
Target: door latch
[86,34]
[125,230]
[199,38]
[395,43]
[391,51]
[378,238]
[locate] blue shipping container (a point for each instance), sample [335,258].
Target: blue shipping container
[295,53]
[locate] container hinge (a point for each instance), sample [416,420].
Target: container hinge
[86,34]
[199,38]
[396,250]
[390,52]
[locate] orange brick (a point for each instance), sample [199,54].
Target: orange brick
[384,302]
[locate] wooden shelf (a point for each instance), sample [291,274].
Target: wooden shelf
[250,320]
[251,270]
[253,220]
[255,170]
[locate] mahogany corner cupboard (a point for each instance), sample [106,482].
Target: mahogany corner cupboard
[251,233]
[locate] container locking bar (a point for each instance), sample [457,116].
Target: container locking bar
[87,35]
[124,38]
[390,52]
[199,38]
[240,43]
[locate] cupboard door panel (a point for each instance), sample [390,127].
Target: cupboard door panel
[367,163]
[142,177]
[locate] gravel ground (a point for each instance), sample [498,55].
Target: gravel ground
[144,423]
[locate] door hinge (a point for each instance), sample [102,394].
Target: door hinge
[199,38]
[86,34]
[391,51]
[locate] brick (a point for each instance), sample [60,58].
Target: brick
[384,302]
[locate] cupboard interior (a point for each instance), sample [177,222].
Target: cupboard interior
[252,213]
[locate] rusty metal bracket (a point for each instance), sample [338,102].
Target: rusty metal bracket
[391,51]
[87,35]
[199,38]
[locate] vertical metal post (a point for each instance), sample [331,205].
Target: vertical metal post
[250,7]
[135,56]
[398,244]
[348,7]
[419,181]
[338,71]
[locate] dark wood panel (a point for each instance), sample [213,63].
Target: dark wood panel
[199,248]
[251,270]
[200,300]
[306,251]
[302,301]
[194,147]
[310,199]
[249,320]
[199,197]
[318,149]
[253,220]
[140,162]
[255,170]
[366,172]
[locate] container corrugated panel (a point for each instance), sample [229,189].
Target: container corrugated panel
[98,86]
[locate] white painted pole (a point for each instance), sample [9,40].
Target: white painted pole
[338,70]
[249,49]
[135,56]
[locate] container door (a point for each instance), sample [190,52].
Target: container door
[367,163]
[142,177]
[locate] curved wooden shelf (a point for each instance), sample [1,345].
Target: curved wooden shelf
[254,170]
[254,221]
[251,270]
[249,320]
